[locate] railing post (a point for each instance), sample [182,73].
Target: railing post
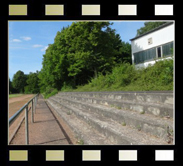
[36,98]
[32,112]
[25,107]
[35,105]
[26,126]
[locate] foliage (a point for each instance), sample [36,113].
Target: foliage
[160,75]
[50,92]
[54,92]
[148,26]
[124,54]
[90,56]
[19,81]
[80,52]
[32,83]
[125,77]
[11,88]
[24,83]
[66,87]
[121,76]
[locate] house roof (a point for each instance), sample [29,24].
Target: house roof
[155,29]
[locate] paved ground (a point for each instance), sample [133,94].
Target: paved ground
[47,128]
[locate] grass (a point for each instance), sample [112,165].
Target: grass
[80,142]
[49,92]
[69,113]
[123,124]
[117,107]
[142,112]
[139,127]
[14,95]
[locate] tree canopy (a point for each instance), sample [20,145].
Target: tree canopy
[24,83]
[19,81]
[148,26]
[11,88]
[32,83]
[80,52]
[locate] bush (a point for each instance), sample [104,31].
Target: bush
[27,90]
[124,74]
[53,92]
[125,77]
[66,87]
[50,92]
[157,76]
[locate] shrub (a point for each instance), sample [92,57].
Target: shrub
[66,87]
[53,92]
[125,77]
[49,92]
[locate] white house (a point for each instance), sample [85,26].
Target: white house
[153,45]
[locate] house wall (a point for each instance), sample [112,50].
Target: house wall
[159,37]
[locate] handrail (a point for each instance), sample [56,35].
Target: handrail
[14,117]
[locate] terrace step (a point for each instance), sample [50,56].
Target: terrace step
[161,110]
[161,97]
[84,132]
[112,130]
[156,126]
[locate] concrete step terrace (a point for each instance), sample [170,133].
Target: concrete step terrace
[156,126]
[107,126]
[156,109]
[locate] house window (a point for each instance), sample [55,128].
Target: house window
[150,41]
[167,49]
[145,55]
[158,52]
[153,53]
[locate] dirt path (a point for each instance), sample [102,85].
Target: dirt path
[19,98]
[16,103]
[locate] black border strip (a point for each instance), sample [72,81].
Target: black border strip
[73,154]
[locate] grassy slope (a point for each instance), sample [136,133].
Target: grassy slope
[125,77]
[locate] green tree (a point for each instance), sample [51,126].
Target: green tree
[19,81]
[32,83]
[92,47]
[10,86]
[54,65]
[79,52]
[11,89]
[148,26]
[124,53]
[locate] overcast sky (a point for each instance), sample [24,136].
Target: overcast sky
[28,41]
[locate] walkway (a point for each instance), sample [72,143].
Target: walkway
[46,129]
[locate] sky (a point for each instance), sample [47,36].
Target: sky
[28,41]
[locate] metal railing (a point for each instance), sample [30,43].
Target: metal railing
[25,107]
